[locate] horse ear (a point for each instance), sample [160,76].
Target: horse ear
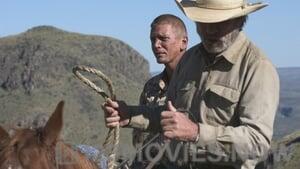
[4,137]
[53,126]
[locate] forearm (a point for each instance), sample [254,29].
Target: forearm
[145,117]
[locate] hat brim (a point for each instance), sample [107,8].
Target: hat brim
[205,15]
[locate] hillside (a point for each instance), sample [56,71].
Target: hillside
[288,116]
[286,143]
[286,152]
[36,73]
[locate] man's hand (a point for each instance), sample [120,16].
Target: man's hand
[115,113]
[176,125]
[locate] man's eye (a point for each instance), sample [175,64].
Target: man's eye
[164,39]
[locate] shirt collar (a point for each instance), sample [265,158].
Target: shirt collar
[233,52]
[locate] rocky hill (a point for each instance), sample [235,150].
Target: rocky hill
[36,73]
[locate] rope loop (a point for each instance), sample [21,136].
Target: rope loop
[111,142]
[92,85]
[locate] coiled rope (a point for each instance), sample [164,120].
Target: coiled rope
[111,142]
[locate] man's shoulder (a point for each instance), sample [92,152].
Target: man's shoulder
[155,79]
[194,49]
[156,83]
[190,57]
[154,92]
[256,55]
[254,59]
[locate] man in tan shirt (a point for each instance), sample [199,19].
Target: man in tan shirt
[222,97]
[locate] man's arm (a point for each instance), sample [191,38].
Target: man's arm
[115,114]
[142,117]
[145,117]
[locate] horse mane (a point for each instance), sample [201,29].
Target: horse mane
[70,157]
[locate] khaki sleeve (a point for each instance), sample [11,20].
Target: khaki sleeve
[139,121]
[143,117]
[256,112]
[136,133]
[146,118]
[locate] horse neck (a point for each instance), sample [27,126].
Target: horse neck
[68,158]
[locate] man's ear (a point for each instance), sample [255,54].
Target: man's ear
[184,43]
[52,129]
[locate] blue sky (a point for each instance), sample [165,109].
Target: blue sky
[275,29]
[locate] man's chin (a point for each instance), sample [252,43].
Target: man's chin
[214,49]
[159,61]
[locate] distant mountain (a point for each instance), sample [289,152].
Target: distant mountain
[288,116]
[286,142]
[36,73]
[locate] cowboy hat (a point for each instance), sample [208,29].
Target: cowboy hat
[213,11]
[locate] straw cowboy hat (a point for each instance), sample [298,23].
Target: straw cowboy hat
[213,11]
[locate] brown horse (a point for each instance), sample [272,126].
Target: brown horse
[41,148]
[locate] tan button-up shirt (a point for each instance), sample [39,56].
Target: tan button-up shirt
[233,99]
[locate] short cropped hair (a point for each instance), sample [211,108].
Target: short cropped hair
[173,20]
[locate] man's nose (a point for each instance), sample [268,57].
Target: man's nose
[157,43]
[206,28]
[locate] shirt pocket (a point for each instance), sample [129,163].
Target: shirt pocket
[221,102]
[185,95]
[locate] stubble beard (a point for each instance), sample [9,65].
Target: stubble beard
[220,45]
